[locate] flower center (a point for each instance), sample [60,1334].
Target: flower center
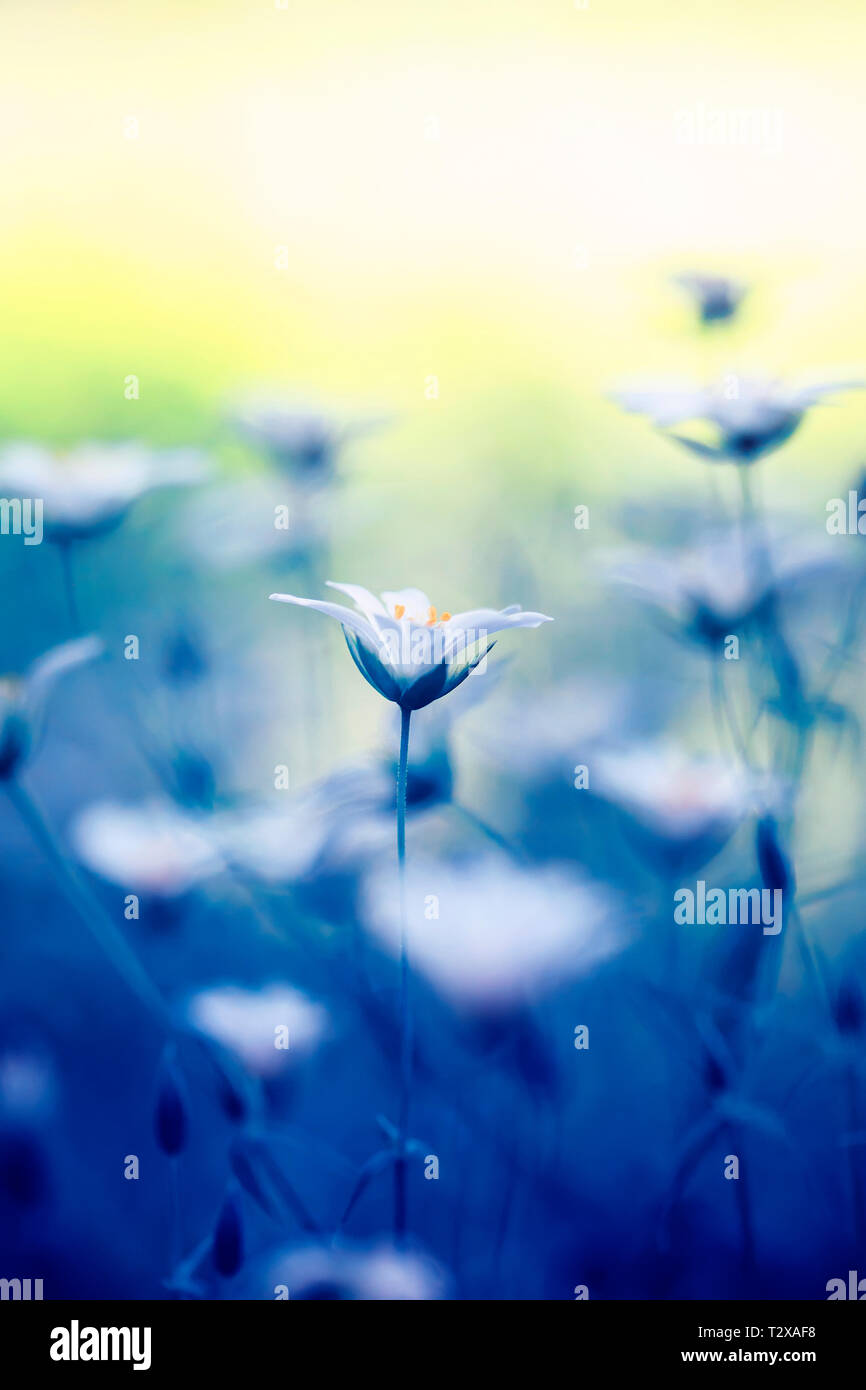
[429,621]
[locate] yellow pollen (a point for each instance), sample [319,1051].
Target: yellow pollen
[431,616]
[399,610]
[445,618]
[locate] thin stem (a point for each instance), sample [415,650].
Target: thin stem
[745,1209]
[857,1204]
[725,713]
[472,818]
[405,1000]
[175,1234]
[65,551]
[87,906]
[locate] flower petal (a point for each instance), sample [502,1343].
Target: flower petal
[704,451]
[369,604]
[48,669]
[371,668]
[485,621]
[667,403]
[347,616]
[426,689]
[415,601]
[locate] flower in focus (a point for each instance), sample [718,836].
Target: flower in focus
[716,297]
[151,848]
[679,798]
[361,1273]
[244,1021]
[749,416]
[89,491]
[502,933]
[405,649]
[23,699]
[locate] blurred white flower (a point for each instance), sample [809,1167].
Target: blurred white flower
[714,587]
[90,489]
[27,1085]
[301,437]
[499,934]
[332,826]
[749,415]
[716,297]
[681,798]
[405,649]
[23,699]
[545,736]
[150,847]
[374,1273]
[245,1022]
[277,845]
[252,520]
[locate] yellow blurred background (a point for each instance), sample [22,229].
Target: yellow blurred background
[351,199]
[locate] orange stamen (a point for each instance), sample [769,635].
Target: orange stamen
[431,616]
[445,617]
[399,610]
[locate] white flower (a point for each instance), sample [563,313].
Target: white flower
[301,437]
[276,845]
[716,586]
[679,797]
[150,848]
[245,1022]
[349,1272]
[545,736]
[235,524]
[750,416]
[405,649]
[499,934]
[716,297]
[90,489]
[23,699]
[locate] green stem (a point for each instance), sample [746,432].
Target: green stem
[87,906]
[405,1000]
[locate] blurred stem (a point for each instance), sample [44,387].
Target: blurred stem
[473,819]
[853,1156]
[85,903]
[725,715]
[838,655]
[405,1001]
[65,551]
[745,1207]
[174,1236]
